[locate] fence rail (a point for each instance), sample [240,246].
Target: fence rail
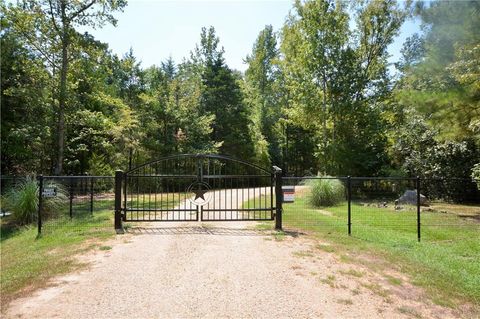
[368,207]
[376,206]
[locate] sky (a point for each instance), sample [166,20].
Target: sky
[158,29]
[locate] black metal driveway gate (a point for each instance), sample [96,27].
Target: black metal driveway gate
[193,187]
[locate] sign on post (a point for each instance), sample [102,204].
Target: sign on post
[288,194]
[49,192]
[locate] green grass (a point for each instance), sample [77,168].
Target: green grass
[445,263]
[28,261]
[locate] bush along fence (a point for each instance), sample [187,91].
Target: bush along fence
[372,208]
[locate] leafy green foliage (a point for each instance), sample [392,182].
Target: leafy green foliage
[476,174]
[443,83]
[325,192]
[317,95]
[22,201]
[336,77]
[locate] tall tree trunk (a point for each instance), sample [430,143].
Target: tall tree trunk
[325,138]
[62,93]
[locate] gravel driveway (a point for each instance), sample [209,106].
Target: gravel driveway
[216,270]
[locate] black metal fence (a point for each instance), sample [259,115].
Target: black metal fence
[376,207]
[68,202]
[84,202]
[372,208]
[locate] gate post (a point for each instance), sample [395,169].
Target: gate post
[417,186]
[349,199]
[40,204]
[278,197]
[118,201]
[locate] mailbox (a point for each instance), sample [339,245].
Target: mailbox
[288,194]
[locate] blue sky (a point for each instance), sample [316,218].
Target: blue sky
[159,29]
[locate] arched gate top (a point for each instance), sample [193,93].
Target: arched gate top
[201,156]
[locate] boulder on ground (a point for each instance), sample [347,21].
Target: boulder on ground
[410,198]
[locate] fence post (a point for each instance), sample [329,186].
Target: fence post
[418,207]
[40,204]
[118,201]
[349,199]
[71,197]
[91,195]
[279,197]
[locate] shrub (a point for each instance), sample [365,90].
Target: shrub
[476,174]
[22,201]
[325,192]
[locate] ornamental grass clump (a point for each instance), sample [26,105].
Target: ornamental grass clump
[22,201]
[325,192]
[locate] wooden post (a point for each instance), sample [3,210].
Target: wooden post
[279,197]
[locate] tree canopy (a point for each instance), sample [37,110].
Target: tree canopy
[318,95]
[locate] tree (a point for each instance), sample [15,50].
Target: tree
[442,85]
[25,109]
[262,94]
[48,28]
[337,79]
[221,97]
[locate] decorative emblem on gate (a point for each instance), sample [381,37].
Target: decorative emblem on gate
[202,196]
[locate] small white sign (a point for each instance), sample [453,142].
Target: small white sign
[49,192]
[288,194]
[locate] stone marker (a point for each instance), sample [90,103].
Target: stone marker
[410,198]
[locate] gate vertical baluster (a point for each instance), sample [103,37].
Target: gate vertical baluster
[165,183]
[216,186]
[225,192]
[272,179]
[91,195]
[150,193]
[243,197]
[236,196]
[254,199]
[71,197]
[349,199]
[265,198]
[143,192]
[138,192]
[124,215]
[248,197]
[279,197]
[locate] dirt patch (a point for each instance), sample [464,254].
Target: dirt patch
[467,211]
[323,212]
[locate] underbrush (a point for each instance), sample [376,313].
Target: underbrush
[22,201]
[325,192]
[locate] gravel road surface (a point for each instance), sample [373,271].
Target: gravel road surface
[218,270]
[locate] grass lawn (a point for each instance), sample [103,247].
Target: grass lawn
[28,261]
[446,262]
